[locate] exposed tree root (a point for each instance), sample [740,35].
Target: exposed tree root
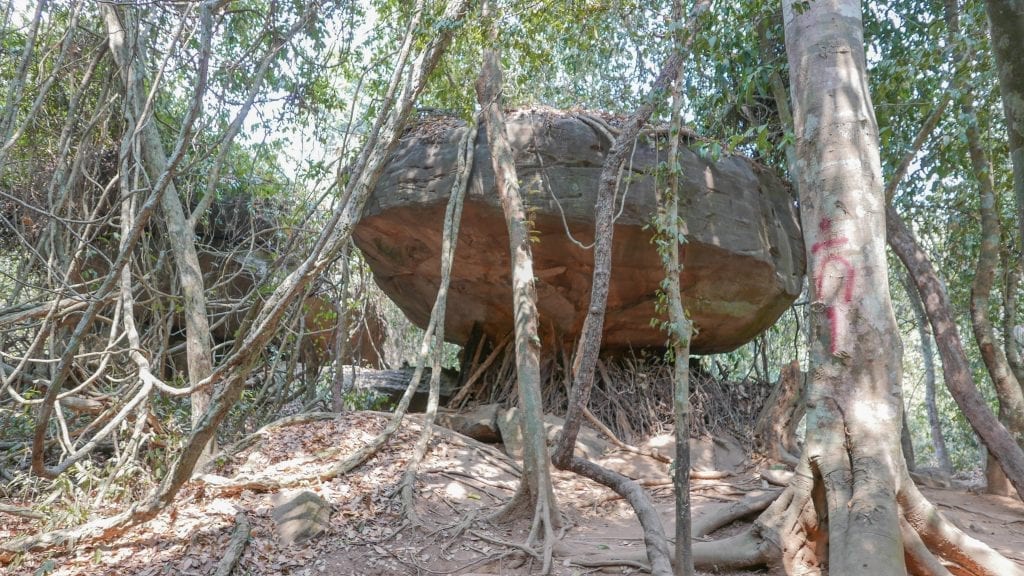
[604,429]
[732,512]
[919,559]
[948,542]
[777,477]
[788,537]
[23,512]
[258,436]
[709,474]
[659,553]
[236,546]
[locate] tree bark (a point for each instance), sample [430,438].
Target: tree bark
[775,429]
[680,329]
[854,409]
[449,240]
[1012,336]
[535,495]
[928,356]
[127,55]
[1006,24]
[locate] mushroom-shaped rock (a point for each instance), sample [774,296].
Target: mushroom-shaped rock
[743,257]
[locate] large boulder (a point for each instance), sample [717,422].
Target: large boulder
[744,260]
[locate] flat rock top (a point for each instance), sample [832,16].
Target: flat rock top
[743,260]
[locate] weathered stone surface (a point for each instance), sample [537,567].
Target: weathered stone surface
[390,385]
[589,444]
[720,453]
[300,516]
[479,423]
[744,261]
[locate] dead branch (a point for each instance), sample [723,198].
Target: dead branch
[20,511]
[236,546]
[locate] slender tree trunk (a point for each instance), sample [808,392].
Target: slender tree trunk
[1006,23]
[449,240]
[535,495]
[1012,337]
[928,356]
[199,349]
[907,443]
[341,335]
[680,328]
[955,367]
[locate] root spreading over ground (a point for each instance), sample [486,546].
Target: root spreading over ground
[460,482]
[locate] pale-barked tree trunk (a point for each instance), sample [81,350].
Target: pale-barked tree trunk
[535,496]
[122,29]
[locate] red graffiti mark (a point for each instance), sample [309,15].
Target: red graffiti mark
[843,271]
[826,244]
[846,276]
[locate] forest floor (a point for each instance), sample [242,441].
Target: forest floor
[461,482]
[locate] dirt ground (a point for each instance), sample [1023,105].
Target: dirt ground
[461,483]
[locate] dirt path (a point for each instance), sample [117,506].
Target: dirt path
[461,484]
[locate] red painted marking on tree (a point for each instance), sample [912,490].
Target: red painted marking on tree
[830,243]
[843,271]
[846,278]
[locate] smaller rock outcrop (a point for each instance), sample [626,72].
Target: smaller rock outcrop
[388,386]
[588,444]
[479,423]
[300,516]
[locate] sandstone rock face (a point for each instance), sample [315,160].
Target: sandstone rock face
[744,260]
[300,516]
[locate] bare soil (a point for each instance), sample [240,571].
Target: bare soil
[461,483]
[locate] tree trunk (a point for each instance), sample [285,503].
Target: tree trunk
[907,443]
[535,495]
[928,355]
[198,343]
[1006,23]
[775,429]
[680,329]
[955,367]
[854,410]
[1012,337]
